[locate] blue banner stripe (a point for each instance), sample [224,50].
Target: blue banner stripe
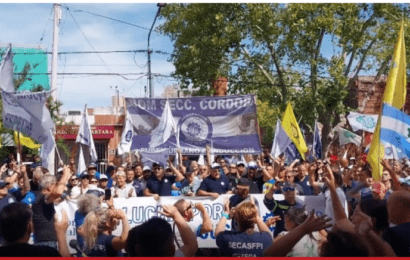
[227,143]
[392,112]
[395,139]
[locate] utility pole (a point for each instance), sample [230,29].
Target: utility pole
[57,18]
[151,90]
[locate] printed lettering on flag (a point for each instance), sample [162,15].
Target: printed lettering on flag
[228,122]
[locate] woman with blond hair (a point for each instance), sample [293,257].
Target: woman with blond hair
[246,242]
[97,232]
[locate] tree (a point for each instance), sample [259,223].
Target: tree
[302,53]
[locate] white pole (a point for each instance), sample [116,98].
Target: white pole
[57,17]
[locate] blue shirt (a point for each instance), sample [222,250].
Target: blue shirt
[185,187]
[79,220]
[29,198]
[138,188]
[279,208]
[307,189]
[162,187]
[240,244]
[220,186]
[103,247]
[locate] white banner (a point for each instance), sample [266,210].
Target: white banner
[362,122]
[27,113]
[85,136]
[345,137]
[141,209]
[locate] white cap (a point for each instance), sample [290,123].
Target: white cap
[215,166]
[252,165]
[103,176]
[146,168]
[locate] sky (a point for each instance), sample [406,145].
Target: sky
[79,31]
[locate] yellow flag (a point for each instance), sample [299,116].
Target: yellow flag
[26,141]
[395,91]
[376,154]
[395,95]
[291,127]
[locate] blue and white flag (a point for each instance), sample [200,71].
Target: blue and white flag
[126,138]
[165,128]
[395,131]
[281,140]
[317,142]
[7,72]
[148,158]
[230,122]
[291,153]
[85,136]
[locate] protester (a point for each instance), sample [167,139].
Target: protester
[121,189]
[72,182]
[159,184]
[82,188]
[241,167]
[190,184]
[16,226]
[129,176]
[5,197]
[281,207]
[103,183]
[155,237]
[97,231]
[43,208]
[92,171]
[235,243]
[186,210]
[215,184]
[398,207]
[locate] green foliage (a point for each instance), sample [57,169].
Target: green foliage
[277,52]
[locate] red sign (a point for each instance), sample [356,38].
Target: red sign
[98,131]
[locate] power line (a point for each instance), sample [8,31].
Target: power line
[80,52]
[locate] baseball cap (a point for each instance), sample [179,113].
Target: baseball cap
[103,176]
[92,165]
[146,168]
[3,183]
[158,164]
[241,163]
[84,175]
[215,166]
[252,165]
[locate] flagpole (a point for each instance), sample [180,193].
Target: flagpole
[19,148]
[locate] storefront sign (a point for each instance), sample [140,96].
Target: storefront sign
[99,131]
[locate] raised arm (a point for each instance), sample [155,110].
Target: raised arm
[188,237]
[119,243]
[179,175]
[222,222]
[312,181]
[206,220]
[60,186]
[26,186]
[393,175]
[266,175]
[284,245]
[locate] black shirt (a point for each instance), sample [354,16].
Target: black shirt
[399,239]
[43,220]
[256,184]
[26,250]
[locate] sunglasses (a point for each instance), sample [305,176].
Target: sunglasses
[288,189]
[74,179]
[189,207]
[93,181]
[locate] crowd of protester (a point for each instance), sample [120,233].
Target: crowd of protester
[363,217]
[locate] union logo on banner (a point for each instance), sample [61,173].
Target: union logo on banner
[366,121]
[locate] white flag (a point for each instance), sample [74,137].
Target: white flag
[6,71]
[81,161]
[201,160]
[281,140]
[85,136]
[126,139]
[362,122]
[165,128]
[345,137]
[48,154]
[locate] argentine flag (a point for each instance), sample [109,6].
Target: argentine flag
[395,132]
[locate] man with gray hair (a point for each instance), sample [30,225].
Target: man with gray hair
[43,208]
[121,189]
